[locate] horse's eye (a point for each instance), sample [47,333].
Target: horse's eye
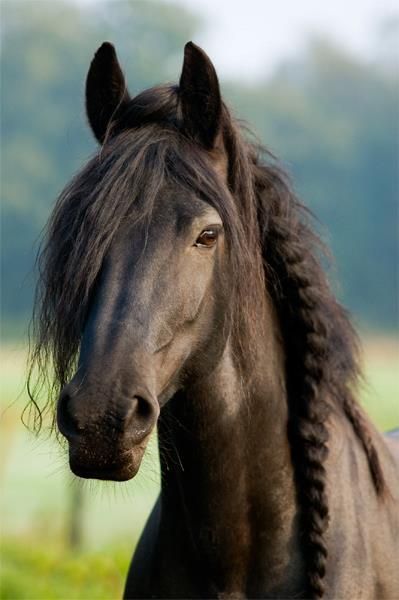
[207,238]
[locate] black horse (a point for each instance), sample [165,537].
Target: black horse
[181,287]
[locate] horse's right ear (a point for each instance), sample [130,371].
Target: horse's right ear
[200,98]
[106,91]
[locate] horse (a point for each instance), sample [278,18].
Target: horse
[181,286]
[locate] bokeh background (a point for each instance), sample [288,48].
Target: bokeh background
[319,85]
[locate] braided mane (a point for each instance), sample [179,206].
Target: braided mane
[320,344]
[321,350]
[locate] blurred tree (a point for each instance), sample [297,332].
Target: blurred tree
[330,116]
[334,120]
[47,48]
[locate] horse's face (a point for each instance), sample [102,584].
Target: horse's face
[155,316]
[154,319]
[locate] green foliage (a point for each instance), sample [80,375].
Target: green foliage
[331,117]
[30,569]
[47,47]
[333,120]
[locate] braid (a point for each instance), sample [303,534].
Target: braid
[306,351]
[321,361]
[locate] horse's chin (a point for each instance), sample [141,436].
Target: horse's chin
[93,465]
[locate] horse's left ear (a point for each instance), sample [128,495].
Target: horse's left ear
[106,90]
[200,97]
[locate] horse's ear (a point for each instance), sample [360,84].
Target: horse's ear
[106,90]
[200,96]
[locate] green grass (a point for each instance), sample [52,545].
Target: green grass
[36,495]
[380,392]
[380,395]
[31,569]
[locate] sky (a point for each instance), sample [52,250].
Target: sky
[250,37]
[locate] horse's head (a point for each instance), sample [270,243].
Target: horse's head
[154,213]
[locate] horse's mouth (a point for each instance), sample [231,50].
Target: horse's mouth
[93,465]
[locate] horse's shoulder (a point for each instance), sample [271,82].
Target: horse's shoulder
[364,527]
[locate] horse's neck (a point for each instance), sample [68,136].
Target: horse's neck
[227,474]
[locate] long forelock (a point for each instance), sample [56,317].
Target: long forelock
[122,181]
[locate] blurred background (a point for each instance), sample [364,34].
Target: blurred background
[319,85]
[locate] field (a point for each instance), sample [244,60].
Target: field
[38,561]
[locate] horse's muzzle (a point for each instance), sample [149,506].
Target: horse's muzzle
[107,435]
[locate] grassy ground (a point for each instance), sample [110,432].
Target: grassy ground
[36,571]
[37,492]
[379,393]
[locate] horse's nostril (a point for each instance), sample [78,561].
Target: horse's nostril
[144,409]
[133,418]
[66,422]
[141,418]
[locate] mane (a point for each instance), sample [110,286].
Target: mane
[321,353]
[268,232]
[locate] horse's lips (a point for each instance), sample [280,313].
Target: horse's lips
[119,469]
